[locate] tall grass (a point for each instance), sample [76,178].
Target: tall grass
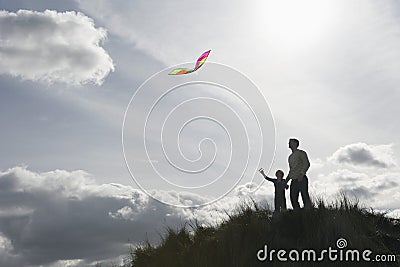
[236,241]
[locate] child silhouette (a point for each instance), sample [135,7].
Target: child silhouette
[280,186]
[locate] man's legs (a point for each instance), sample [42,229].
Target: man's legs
[304,192]
[294,194]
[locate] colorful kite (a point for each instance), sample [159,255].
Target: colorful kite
[200,61]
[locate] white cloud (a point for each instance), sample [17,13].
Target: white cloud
[394,213]
[361,154]
[379,191]
[53,47]
[367,172]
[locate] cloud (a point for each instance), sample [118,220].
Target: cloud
[360,192]
[394,213]
[361,154]
[59,217]
[367,172]
[379,191]
[53,47]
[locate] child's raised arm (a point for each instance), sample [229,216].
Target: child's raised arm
[263,174]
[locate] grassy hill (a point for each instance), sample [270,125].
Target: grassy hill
[236,241]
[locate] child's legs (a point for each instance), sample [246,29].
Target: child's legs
[280,201]
[276,203]
[284,203]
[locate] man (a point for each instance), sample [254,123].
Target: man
[298,166]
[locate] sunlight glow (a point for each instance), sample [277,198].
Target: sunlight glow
[288,23]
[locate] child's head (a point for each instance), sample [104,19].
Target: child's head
[279,174]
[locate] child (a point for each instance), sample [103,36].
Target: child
[280,186]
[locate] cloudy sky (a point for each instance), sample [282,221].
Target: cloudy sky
[325,72]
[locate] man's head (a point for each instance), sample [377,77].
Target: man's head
[279,174]
[293,143]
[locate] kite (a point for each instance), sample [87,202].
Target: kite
[200,61]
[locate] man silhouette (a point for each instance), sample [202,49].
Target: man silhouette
[298,166]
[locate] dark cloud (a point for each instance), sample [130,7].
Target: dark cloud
[367,193]
[366,155]
[58,216]
[360,156]
[378,190]
[360,192]
[61,215]
[386,185]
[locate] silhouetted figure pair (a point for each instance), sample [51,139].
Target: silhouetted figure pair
[298,166]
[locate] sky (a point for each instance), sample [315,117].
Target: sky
[77,188]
